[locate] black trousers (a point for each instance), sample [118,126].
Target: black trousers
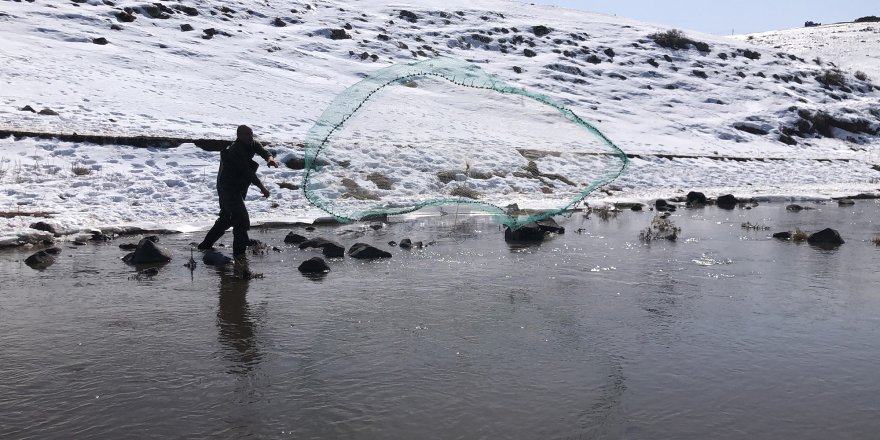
[233,214]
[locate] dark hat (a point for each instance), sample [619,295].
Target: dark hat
[244,130]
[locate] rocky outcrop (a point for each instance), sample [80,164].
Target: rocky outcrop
[41,260]
[726,201]
[330,249]
[363,251]
[148,252]
[294,238]
[826,237]
[530,232]
[314,265]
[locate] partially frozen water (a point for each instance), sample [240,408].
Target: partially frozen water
[725,334]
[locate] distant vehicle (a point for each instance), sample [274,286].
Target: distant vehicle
[812,24]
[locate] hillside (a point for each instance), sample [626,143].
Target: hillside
[791,126]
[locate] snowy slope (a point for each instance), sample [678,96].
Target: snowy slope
[275,66]
[853,46]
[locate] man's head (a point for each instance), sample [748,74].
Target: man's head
[245,134]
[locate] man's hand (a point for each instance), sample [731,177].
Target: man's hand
[272,162]
[265,192]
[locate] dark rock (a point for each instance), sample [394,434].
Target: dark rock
[100,41]
[794,208]
[826,237]
[48,112]
[43,226]
[376,226]
[637,207]
[530,232]
[115,27]
[609,52]
[125,16]
[782,235]
[214,258]
[147,253]
[750,128]
[128,246]
[326,221]
[695,198]
[149,272]
[339,34]
[529,53]
[405,243]
[153,238]
[188,10]
[392,243]
[40,260]
[409,16]
[330,249]
[846,202]
[549,225]
[278,22]
[363,251]
[726,202]
[28,108]
[53,250]
[787,140]
[541,30]
[294,238]
[314,265]
[100,236]
[186,27]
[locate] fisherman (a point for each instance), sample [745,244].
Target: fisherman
[237,172]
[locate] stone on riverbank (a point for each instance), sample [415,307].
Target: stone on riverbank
[363,251]
[826,237]
[148,252]
[314,265]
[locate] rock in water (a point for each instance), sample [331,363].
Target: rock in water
[294,238]
[330,249]
[530,232]
[214,258]
[695,199]
[314,265]
[782,235]
[148,252]
[726,202]
[550,225]
[40,260]
[826,237]
[405,243]
[364,251]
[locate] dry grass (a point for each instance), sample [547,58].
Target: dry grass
[876,241]
[604,213]
[799,236]
[754,226]
[661,228]
[861,76]
[80,170]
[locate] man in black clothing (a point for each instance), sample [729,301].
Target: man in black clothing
[237,172]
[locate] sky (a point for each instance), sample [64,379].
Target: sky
[728,17]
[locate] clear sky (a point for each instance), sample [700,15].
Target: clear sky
[722,17]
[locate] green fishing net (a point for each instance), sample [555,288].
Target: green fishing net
[443,132]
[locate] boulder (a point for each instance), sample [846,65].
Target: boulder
[48,112]
[28,108]
[186,27]
[364,251]
[726,202]
[530,232]
[826,237]
[782,235]
[695,199]
[148,252]
[214,258]
[314,265]
[100,41]
[846,202]
[406,244]
[40,260]
[294,238]
[550,225]
[794,208]
[43,226]
[662,205]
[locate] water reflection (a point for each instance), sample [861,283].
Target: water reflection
[235,325]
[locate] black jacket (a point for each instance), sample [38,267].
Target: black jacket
[237,166]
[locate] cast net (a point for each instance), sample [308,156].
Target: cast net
[444,132]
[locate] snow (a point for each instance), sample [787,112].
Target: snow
[153,79]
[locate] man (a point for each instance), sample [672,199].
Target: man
[237,172]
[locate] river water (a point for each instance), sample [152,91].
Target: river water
[723,334]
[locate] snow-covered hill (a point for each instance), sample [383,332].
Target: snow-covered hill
[852,46]
[200,68]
